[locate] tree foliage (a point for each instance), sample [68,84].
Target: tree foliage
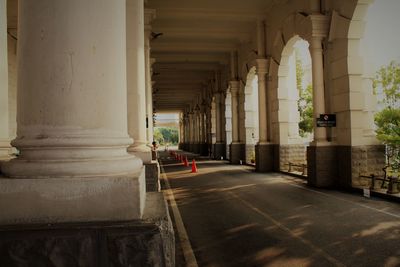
[387,81]
[166,135]
[305,105]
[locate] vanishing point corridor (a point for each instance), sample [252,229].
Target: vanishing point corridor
[233,216]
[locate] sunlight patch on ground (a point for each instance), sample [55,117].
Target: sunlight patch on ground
[381,227]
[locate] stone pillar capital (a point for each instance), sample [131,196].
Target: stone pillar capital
[319,26]
[234,87]
[262,66]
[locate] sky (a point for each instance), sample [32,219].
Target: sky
[381,42]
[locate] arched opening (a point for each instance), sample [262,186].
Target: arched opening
[251,115]
[295,105]
[376,80]
[167,130]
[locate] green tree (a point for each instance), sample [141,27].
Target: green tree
[158,136]
[387,81]
[305,105]
[167,135]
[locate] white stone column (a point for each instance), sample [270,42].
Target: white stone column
[262,70]
[320,25]
[208,125]
[135,67]
[149,15]
[235,85]
[72,117]
[4,125]
[187,129]
[218,117]
[192,127]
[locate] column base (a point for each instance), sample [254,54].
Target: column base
[152,176]
[147,242]
[181,146]
[204,149]
[265,156]
[237,153]
[5,149]
[142,151]
[196,148]
[56,200]
[322,166]
[219,151]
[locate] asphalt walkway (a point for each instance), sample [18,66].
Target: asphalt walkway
[228,215]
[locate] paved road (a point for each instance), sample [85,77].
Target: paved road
[236,217]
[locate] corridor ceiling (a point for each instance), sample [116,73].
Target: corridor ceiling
[197,39]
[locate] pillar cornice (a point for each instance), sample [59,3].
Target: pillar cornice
[319,25]
[234,87]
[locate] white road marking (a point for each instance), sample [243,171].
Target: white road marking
[345,200]
[188,253]
[316,249]
[294,184]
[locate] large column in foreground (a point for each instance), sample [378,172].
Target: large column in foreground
[135,67]
[4,132]
[72,117]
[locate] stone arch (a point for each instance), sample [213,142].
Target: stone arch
[358,101]
[294,27]
[251,114]
[284,116]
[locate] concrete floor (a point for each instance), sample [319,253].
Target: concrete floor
[235,217]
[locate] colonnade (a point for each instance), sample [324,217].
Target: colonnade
[271,153]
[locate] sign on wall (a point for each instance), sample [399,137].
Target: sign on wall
[326,120]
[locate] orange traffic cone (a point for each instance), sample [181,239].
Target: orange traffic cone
[185,162]
[194,167]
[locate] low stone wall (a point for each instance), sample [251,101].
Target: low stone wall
[152,176]
[250,154]
[366,160]
[292,153]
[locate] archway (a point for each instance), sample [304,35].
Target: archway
[370,48]
[295,112]
[251,114]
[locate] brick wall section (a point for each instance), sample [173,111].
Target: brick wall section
[292,153]
[366,160]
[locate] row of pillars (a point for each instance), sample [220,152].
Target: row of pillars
[319,32]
